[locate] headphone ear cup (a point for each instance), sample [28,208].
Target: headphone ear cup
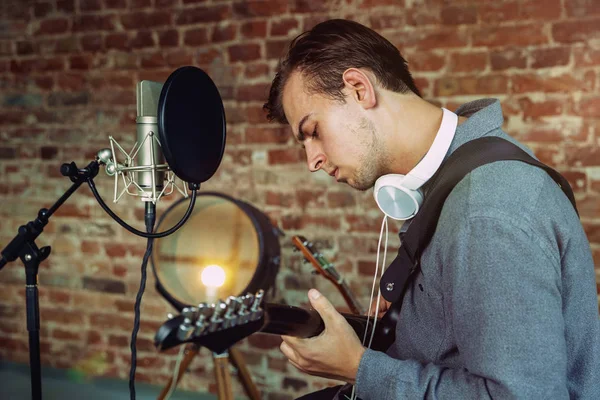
[394,200]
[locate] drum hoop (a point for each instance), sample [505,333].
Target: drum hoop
[258,228]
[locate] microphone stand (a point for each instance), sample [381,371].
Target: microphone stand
[23,246]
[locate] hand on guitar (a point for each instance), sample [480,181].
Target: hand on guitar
[384,305]
[334,354]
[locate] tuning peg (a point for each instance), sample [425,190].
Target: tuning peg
[204,312]
[186,327]
[257,300]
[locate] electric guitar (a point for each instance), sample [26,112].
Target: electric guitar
[325,268]
[219,326]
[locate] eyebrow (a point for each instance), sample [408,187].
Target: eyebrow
[301,136]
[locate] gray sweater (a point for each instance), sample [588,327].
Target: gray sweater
[505,305]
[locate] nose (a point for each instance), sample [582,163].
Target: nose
[315,157]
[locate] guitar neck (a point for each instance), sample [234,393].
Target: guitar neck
[302,323]
[351,300]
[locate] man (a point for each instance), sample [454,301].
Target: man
[504,304]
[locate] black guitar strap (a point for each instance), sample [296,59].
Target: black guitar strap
[466,158]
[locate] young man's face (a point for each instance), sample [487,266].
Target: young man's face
[338,138]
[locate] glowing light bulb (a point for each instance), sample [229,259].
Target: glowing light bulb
[213,276]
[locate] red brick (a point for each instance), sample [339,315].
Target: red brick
[276,48]
[425,61]
[589,107]
[421,16]
[509,58]
[456,15]
[73,210]
[91,42]
[244,52]
[308,6]
[576,31]
[62,316]
[87,23]
[118,341]
[497,12]
[196,37]
[90,5]
[468,62]
[387,21]
[256,92]
[146,20]
[279,199]
[583,156]
[53,26]
[137,4]
[41,10]
[203,14]
[115,250]
[586,56]
[582,8]
[281,134]
[341,199]
[115,4]
[562,83]
[284,27]
[541,9]
[550,57]
[80,62]
[224,33]
[179,57]
[65,335]
[310,198]
[255,114]
[379,3]
[523,35]
[260,8]
[65,6]
[578,182]
[461,86]
[153,60]
[169,38]
[110,322]
[254,29]
[90,247]
[206,56]
[534,110]
[256,70]
[142,39]
[286,156]
[443,38]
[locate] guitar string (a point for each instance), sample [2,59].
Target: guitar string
[383,224]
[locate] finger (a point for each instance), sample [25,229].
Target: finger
[292,341]
[288,351]
[320,303]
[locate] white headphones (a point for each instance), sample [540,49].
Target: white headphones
[398,196]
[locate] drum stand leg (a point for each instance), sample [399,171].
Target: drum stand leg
[222,376]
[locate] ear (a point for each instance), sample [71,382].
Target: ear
[358,84]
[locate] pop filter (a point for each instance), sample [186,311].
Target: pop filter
[191,124]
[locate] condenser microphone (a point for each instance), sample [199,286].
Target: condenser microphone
[149,152]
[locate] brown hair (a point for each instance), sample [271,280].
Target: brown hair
[330,48]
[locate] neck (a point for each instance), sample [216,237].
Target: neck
[412,126]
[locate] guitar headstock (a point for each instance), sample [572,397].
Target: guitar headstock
[317,259]
[214,326]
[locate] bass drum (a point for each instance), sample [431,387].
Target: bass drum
[226,248]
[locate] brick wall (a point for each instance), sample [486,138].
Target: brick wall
[68,70]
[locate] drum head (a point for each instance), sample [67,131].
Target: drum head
[219,252]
